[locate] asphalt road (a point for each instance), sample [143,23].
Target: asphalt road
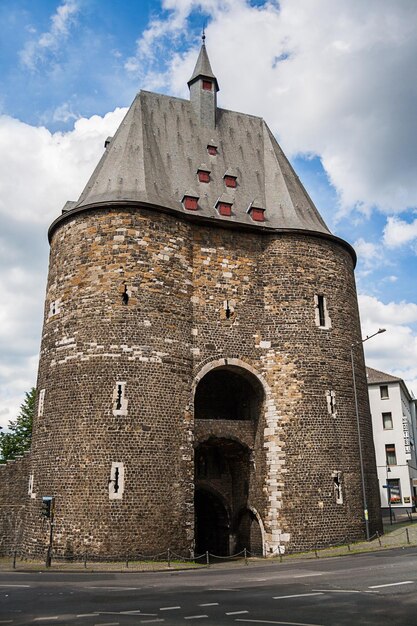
[378,588]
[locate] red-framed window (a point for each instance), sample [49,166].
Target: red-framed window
[203,176]
[258,215]
[224,209]
[212,150]
[230,181]
[207,85]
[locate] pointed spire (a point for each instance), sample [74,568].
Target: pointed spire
[202,67]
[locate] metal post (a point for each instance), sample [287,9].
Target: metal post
[207,559]
[127,559]
[14,559]
[408,536]
[169,557]
[246,556]
[85,559]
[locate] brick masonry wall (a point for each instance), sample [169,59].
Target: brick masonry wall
[14,477]
[173,329]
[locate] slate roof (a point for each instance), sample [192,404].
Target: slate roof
[375,377]
[153,159]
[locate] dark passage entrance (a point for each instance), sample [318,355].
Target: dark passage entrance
[212,524]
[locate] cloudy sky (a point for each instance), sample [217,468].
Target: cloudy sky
[334,79]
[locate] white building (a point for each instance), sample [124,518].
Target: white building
[394,425]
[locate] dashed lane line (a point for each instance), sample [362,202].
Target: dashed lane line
[6,621]
[209,604]
[11,585]
[404,582]
[195,616]
[339,590]
[265,621]
[45,619]
[88,615]
[151,621]
[298,595]
[236,612]
[169,608]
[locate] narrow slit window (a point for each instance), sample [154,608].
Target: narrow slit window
[337,487]
[331,403]
[41,402]
[119,399]
[54,308]
[322,315]
[116,481]
[125,296]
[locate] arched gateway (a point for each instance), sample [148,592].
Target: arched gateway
[227,408]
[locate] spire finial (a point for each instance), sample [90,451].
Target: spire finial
[203,36]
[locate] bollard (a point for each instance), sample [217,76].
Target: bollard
[127,559]
[207,559]
[348,547]
[408,536]
[280,554]
[169,557]
[85,560]
[379,538]
[14,559]
[246,556]
[315,552]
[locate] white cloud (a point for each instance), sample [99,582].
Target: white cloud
[395,351]
[398,232]
[39,171]
[367,252]
[36,50]
[314,71]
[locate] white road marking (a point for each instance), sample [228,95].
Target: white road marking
[210,604]
[339,590]
[404,582]
[298,595]
[169,608]
[151,621]
[15,586]
[114,588]
[265,621]
[43,619]
[108,624]
[236,612]
[195,616]
[308,575]
[6,621]
[88,615]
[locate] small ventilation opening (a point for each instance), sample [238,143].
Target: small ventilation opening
[119,397]
[212,149]
[230,181]
[125,296]
[224,208]
[320,306]
[207,85]
[190,203]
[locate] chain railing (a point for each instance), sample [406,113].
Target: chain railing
[171,559]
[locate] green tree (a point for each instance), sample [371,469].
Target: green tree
[18,438]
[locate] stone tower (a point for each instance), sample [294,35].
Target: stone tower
[195,386]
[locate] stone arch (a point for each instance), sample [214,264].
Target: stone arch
[274,536]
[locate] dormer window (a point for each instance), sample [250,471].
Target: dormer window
[212,149]
[230,179]
[256,211]
[207,85]
[203,174]
[190,201]
[224,206]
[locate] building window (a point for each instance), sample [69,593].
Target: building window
[391,457]
[230,181]
[41,402]
[387,421]
[54,308]
[224,208]
[383,390]
[190,201]
[203,174]
[394,491]
[116,481]
[337,487]
[119,399]
[322,315]
[212,149]
[207,85]
[331,403]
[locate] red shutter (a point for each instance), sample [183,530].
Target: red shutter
[258,215]
[212,150]
[190,203]
[225,209]
[203,177]
[230,181]
[207,85]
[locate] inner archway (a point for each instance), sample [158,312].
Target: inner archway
[212,528]
[228,393]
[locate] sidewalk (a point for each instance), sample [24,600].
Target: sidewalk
[400,534]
